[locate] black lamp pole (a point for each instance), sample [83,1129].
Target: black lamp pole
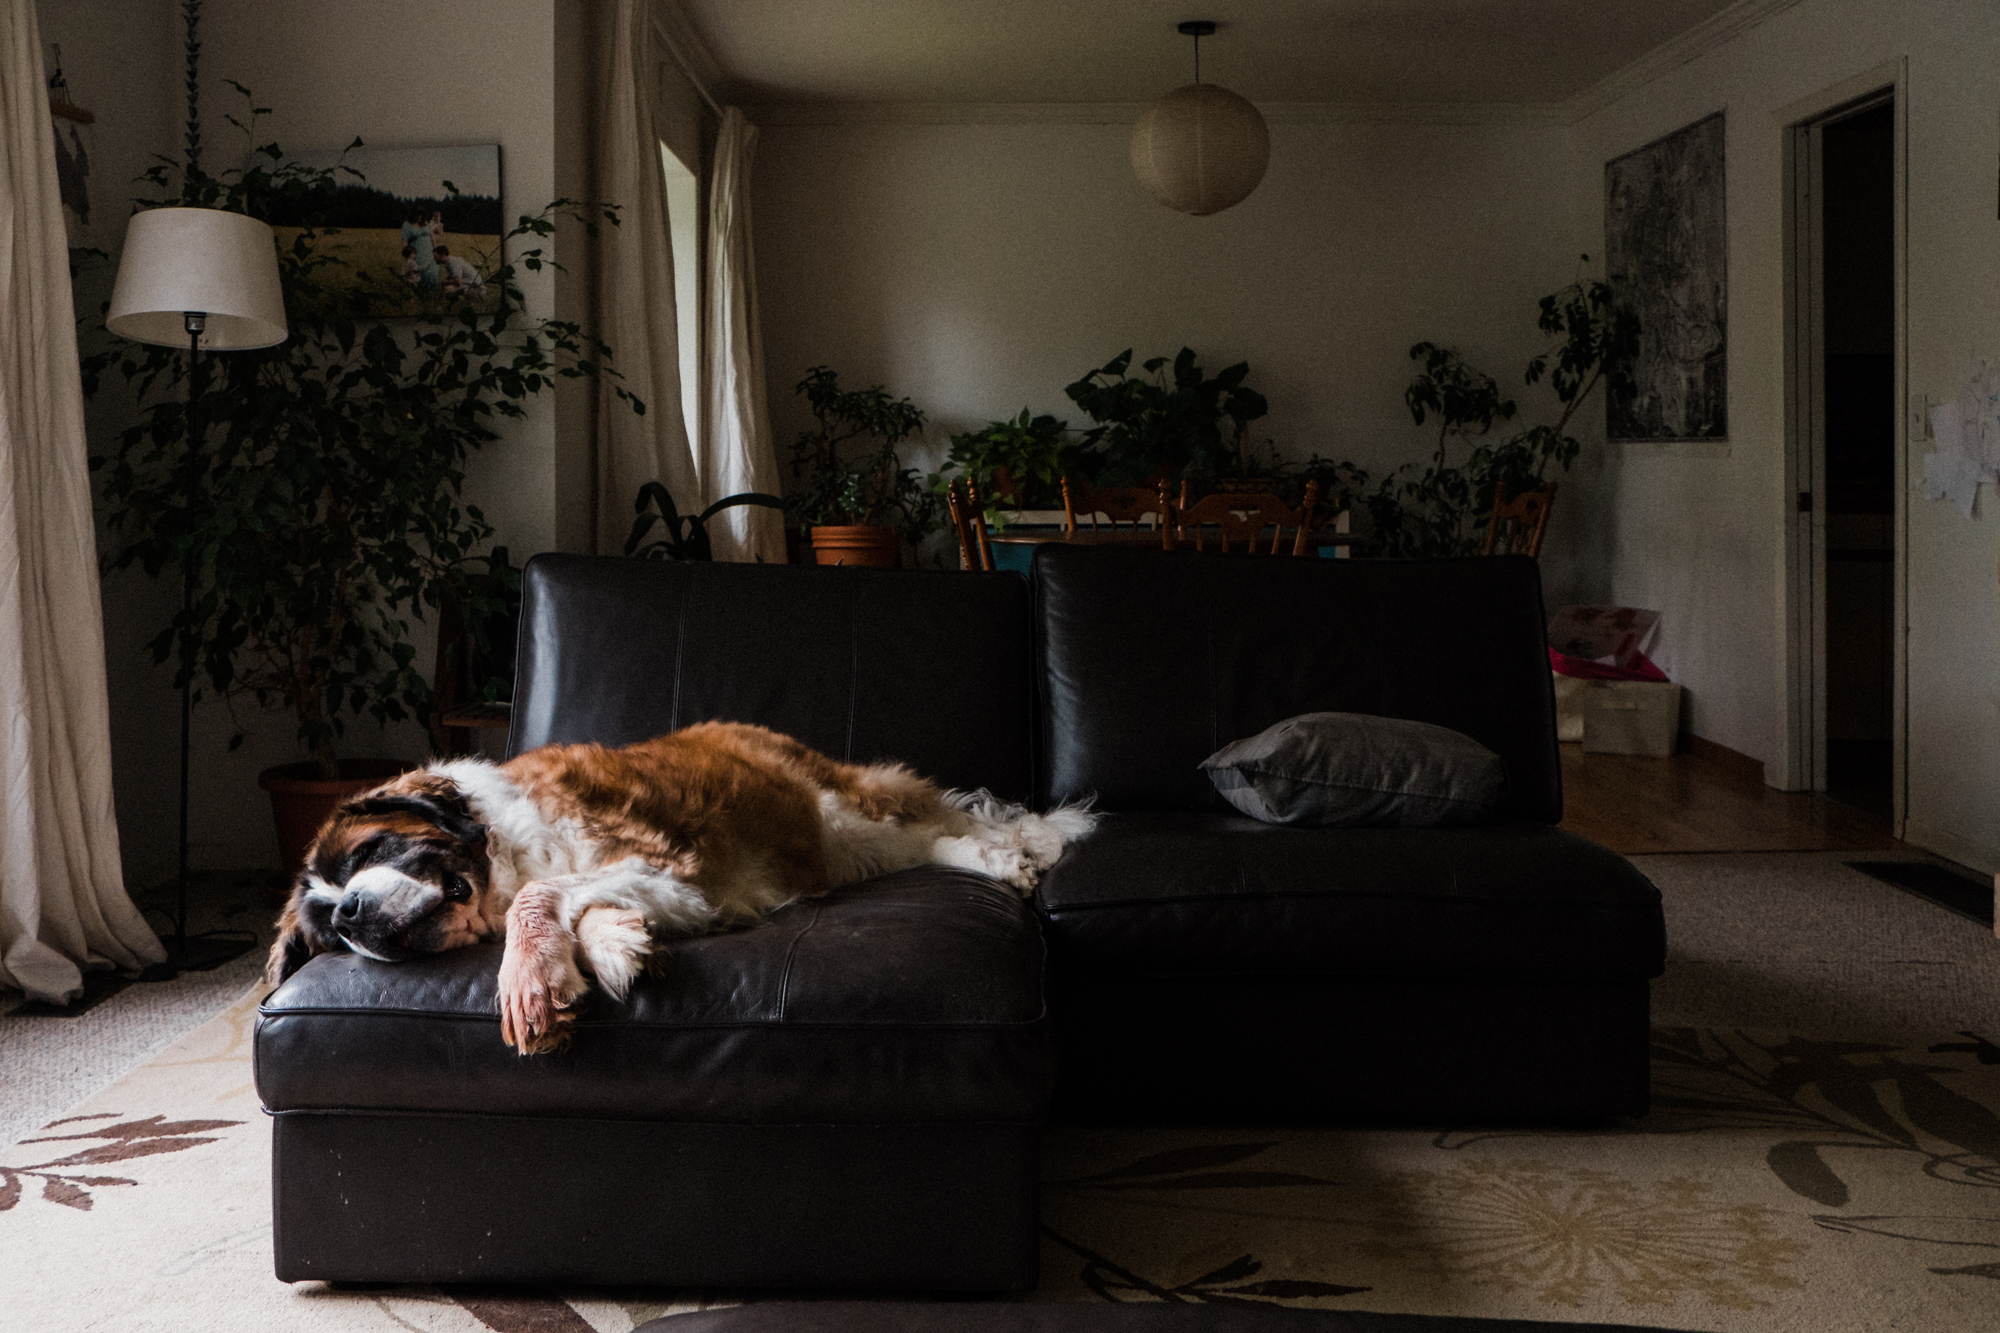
[204,951]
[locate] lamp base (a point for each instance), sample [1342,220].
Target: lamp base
[202,953]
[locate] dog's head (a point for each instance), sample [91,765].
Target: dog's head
[400,871]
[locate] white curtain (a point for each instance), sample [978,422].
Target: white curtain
[62,898]
[737,452]
[635,294]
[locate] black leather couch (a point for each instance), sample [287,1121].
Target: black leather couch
[848,1095]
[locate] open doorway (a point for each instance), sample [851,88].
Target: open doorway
[1846,446]
[1858,255]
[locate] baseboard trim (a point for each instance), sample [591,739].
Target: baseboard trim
[1952,847]
[1716,752]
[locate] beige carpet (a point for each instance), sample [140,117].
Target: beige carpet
[1840,1172]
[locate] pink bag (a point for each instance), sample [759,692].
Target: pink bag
[1583,668]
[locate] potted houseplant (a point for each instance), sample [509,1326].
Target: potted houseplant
[321,511]
[1017,465]
[682,536]
[856,500]
[1440,508]
[1174,421]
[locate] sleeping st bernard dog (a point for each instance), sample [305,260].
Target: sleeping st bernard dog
[588,856]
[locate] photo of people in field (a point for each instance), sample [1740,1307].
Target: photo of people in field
[417,228]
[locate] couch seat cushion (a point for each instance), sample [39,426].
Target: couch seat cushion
[916,997]
[1152,893]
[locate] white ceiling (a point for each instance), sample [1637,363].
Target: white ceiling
[1341,51]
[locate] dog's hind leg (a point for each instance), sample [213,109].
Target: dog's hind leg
[1008,842]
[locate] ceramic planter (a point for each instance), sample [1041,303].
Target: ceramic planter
[301,800]
[858,544]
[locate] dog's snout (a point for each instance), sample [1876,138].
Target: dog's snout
[349,908]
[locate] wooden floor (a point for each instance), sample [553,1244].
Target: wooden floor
[1704,803]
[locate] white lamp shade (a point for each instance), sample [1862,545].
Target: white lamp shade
[1201,149]
[223,265]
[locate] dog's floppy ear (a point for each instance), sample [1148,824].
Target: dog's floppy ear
[295,946]
[451,814]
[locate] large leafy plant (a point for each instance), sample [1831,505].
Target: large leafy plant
[1018,463]
[1172,417]
[1440,507]
[847,465]
[320,513]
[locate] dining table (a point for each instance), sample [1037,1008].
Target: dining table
[1014,546]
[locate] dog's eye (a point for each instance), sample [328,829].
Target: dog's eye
[456,890]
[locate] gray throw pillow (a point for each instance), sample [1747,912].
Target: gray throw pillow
[1341,770]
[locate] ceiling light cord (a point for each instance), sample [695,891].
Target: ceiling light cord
[1197,29]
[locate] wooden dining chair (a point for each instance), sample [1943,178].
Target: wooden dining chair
[1240,520]
[968,519]
[1119,504]
[1518,523]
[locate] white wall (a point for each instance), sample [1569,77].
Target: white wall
[980,268]
[1700,536]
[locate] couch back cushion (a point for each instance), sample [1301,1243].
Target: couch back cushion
[927,668]
[1151,661]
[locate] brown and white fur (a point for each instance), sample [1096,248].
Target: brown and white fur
[587,857]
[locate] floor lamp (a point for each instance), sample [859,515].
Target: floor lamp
[206,280]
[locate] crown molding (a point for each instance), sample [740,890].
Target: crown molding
[1689,46]
[1412,113]
[1125,113]
[1724,26]
[945,113]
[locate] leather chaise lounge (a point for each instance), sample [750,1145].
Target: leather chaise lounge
[849,1094]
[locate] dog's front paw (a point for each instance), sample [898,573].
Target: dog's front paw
[538,980]
[614,945]
[532,1020]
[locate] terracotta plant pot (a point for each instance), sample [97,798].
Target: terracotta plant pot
[859,544]
[301,800]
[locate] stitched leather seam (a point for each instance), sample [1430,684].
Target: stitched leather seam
[1343,896]
[854,664]
[785,978]
[655,1025]
[1214,675]
[680,651]
[416,1113]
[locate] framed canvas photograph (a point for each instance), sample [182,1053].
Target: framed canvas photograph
[420,228]
[1666,249]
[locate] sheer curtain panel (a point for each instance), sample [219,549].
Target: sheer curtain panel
[635,294]
[63,905]
[737,452]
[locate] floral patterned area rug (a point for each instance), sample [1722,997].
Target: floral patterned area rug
[1782,1182]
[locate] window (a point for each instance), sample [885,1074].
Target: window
[684,224]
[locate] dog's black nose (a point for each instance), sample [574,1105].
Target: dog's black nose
[350,906]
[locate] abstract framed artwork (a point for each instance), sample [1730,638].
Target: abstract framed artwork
[420,228]
[1666,249]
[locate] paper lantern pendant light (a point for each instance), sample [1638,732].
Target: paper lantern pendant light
[1200,149]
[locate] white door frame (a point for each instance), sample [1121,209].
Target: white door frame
[1802,676]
